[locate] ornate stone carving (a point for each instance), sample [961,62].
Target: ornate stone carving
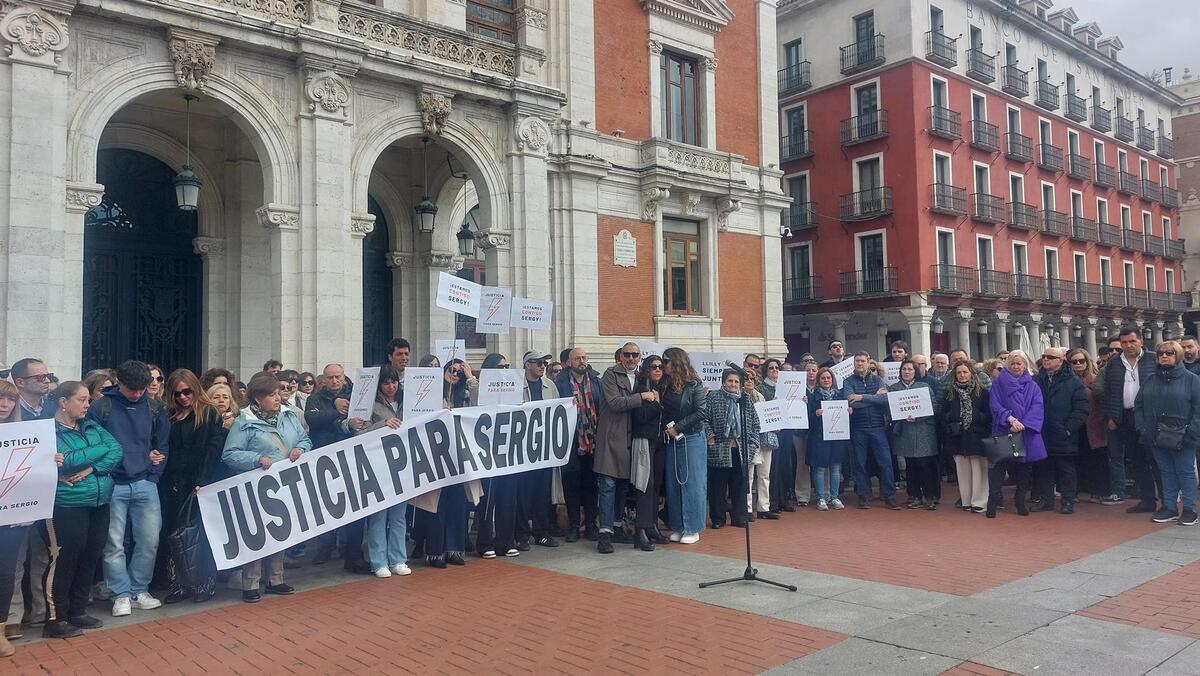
[443,259]
[435,108]
[194,56]
[652,198]
[412,36]
[691,203]
[494,240]
[82,199]
[208,247]
[697,161]
[726,206]
[401,259]
[532,17]
[710,64]
[656,47]
[327,91]
[362,225]
[708,15]
[532,134]
[293,11]
[277,216]
[36,31]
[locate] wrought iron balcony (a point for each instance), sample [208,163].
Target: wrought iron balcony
[865,205]
[1124,129]
[1110,295]
[1084,229]
[1023,216]
[1080,167]
[1089,294]
[866,127]
[987,208]
[1101,118]
[981,66]
[945,123]
[954,279]
[1018,147]
[941,48]
[800,216]
[1181,301]
[995,283]
[1050,157]
[948,199]
[860,56]
[1145,138]
[1106,175]
[985,136]
[802,290]
[1154,245]
[1166,147]
[1110,235]
[795,146]
[1170,197]
[1015,81]
[1061,291]
[1129,183]
[1076,108]
[1150,190]
[1029,287]
[1132,240]
[795,78]
[1160,300]
[1137,298]
[867,282]
[1175,249]
[1047,95]
[1055,223]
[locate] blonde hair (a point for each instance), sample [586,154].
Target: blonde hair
[1173,345]
[220,387]
[1019,354]
[9,391]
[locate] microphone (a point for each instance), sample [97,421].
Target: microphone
[741,371]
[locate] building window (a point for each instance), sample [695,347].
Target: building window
[793,53]
[491,19]
[682,281]
[680,98]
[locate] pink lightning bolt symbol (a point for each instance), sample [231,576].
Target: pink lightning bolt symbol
[13,475]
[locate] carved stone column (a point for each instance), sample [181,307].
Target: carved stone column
[964,331]
[288,314]
[1001,332]
[212,253]
[919,319]
[838,322]
[528,269]
[1035,334]
[1089,335]
[532,22]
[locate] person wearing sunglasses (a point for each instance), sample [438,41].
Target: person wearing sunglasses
[648,441]
[155,389]
[1067,410]
[1167,419]
[304,387]
[197,440]
[33,384]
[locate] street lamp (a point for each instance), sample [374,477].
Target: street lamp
[937,325]
[466,241]
[187,184]
[426,210]
[1077,331]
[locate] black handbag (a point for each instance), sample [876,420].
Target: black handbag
[188,546]
[1168,434]
[1004,447]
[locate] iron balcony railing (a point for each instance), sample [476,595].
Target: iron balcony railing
[954,279]
[1111,295]
[1129,183]
[1145,138]
[945,123]
[981,66]
[987,208]
[802,289]
[801,216]
[1101,118]
[1023,216]
[949,199]
[1124,129]
[985,136]
[860,56]
[865,127]
[995,283]
[1160,300]
[1106,175]
[1055,223]
[1132,240]
[1028,287]
[867,282]
[941,48]
[1084,229]
[865,204]
[1061,291]
[1080,167]
[795,78]
[1151,191]
[1166,147]
[1138,298]
[1089,294]
[1047,95]
[1050,157]
[1170,197]
[796,146]
[1110,235]
[1076,108]
[1015,81]
[1180,301]
[1175,248]
[1154,245]
[1018,147]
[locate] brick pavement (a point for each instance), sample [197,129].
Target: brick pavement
[1170,603]
[972,669]
[486,617]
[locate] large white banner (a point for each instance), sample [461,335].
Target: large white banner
[28,473]
[261,512]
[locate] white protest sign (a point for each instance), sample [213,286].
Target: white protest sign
[445,350]
[362,398]
[791,385]
[710,365]
[770,415]
[795,414]
[260,512]
[835,420]
[650,348]
[915,402]
[459,295]
[28,473]
[422,390]
[842,370]
[495,302]
[532,314]
[891,372]
[500,387]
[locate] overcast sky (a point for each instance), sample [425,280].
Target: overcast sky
[1156,33]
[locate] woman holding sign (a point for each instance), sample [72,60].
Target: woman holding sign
[1017,408]
[684,409]
[732,430]
[915,440]
[965,420]
[825,457]
[386,530]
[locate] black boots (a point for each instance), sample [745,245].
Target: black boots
[642,541]
[604,543]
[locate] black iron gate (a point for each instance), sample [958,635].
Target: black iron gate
[377,289]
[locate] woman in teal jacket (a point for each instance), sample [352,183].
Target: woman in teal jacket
[264,433]
[80,524]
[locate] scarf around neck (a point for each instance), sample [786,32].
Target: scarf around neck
[585,434]
[732,426]
[966,407]
[271,419]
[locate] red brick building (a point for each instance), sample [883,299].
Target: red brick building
[971,173]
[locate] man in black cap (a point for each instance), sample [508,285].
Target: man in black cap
[535,506]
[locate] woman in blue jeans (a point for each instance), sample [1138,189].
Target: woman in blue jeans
[686,447]
[825,457]
[387,529]
[1169,401]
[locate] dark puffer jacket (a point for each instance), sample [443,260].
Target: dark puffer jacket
[1171,395]
[1067,410]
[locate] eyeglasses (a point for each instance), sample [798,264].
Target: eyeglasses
[1166,353]
[306,383]
[157,379]
[185,392]
[655,367]
[1078,361]
[41,377]
[1114,350]
[1050,356]
[631,355]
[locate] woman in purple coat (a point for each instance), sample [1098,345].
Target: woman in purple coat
[1017,407]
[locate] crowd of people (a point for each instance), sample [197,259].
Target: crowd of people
[653,446]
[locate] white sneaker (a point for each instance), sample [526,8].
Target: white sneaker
[121,607]
[836,503]
[822,505]
[145,601]
[401,569]
[690,539]
[675,537]
[383,572]
[489,554]
[512,552]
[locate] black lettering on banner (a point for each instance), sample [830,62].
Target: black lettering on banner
[311,486]
[516,440]
[536,436]
[420,461]
[462,447]
[327,470]
[290,478]
[483,441]
[348,480]
[562,433]
[232,546]
[500,439]
[397,460]
[255,540]
[439,448]
[367,482]
[274,507]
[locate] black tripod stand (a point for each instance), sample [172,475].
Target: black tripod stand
[751,573]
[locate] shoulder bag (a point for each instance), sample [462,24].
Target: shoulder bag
[1004,447]
[1169,433]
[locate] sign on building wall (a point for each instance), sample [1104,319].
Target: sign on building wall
[625,249]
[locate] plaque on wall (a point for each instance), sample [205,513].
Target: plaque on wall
[624,249]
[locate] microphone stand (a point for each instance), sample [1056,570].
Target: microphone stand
[751,573]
